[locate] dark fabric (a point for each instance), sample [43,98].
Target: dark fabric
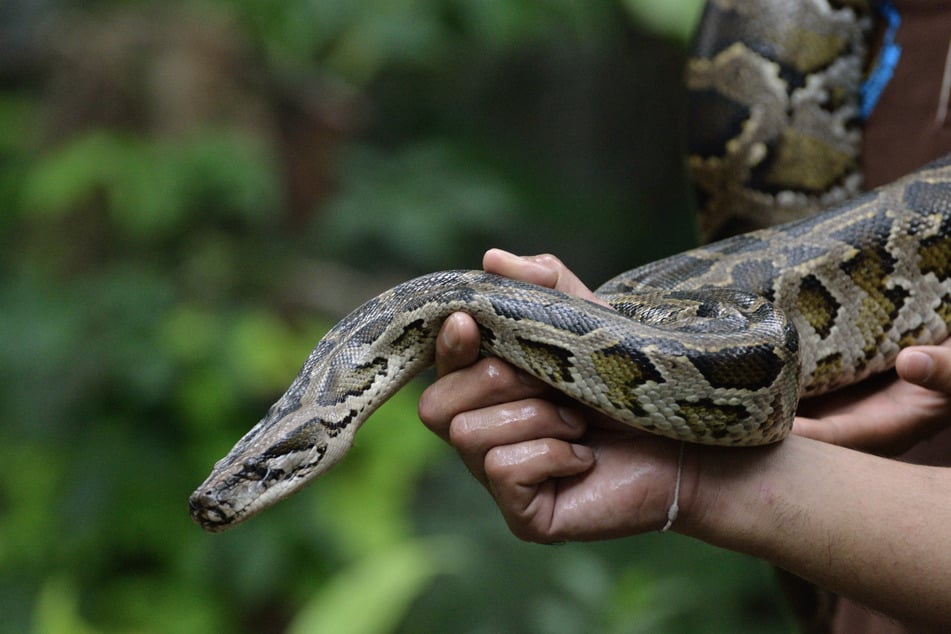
[903,132]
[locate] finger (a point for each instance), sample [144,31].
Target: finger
[927,366]
[522,478]
[490,381]
[544,270]
[457,344]
[825,430]
[474,433]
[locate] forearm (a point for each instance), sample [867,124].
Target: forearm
[875,530]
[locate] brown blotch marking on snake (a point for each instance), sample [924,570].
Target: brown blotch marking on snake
[746,368]
[704,417]
[623,370]
[806,164]
[411,335]
[779,419]
[817,305]
[943,309]
[303,438]
[809,51]
[333,428]
[828,369]
[360,378]
[869,269]
[546,359]
[935,256]
[911,337]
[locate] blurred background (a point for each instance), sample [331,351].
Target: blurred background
[192,192]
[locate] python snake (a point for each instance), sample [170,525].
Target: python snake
[715,345]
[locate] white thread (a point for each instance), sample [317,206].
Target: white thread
[674,509]
[942,114]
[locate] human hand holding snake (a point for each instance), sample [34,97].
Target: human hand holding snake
[889,415]
[561,472]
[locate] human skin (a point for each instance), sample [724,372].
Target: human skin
[816,504]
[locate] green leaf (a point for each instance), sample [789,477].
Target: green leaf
[73,173]
[57,609]
[373,595]
[673,18]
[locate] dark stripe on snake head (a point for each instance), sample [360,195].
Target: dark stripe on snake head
[303,438]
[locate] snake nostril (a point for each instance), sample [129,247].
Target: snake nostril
[201,501]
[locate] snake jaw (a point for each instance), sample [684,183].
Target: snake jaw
[250,479]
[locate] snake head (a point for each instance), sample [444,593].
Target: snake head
[265,466]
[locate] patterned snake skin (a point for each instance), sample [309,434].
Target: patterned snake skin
[715,345]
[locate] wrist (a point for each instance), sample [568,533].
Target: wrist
[732,496]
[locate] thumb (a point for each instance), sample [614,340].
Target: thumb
[927,366]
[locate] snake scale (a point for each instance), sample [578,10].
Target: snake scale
[715,345]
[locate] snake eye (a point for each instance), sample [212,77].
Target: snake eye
[254,470]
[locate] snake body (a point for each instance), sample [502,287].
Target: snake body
[715,345]
[774,110]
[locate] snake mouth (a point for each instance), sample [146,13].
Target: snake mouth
[209,513]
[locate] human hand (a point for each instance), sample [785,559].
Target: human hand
[886,415]
[557,470]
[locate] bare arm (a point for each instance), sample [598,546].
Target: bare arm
[869,528]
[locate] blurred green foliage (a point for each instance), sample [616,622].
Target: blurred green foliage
[188,191]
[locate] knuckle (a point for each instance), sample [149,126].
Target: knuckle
[496,469]
[495,374]
[504,463]
[461,431]
[529,531]
[551,262]
[496,377]
[428,408]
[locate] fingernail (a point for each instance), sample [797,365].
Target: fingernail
[508,254]
[918,366]
[583,452]
[450,337]
[571,418]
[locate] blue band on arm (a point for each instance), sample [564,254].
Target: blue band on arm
[881,74]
